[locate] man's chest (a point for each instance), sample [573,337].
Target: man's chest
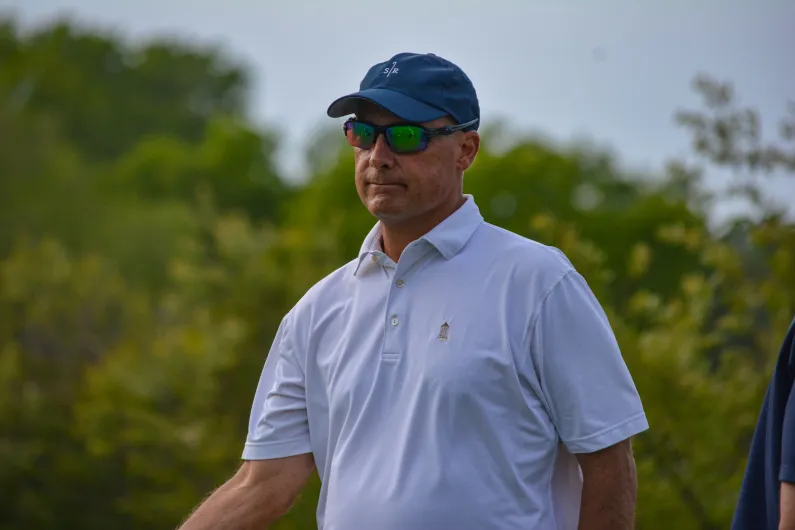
[423,340]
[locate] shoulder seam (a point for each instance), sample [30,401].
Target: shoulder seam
[287,344]
[544,298]
[537,315]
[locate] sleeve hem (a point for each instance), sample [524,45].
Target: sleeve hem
[610,436]
[268,450]
[787,473]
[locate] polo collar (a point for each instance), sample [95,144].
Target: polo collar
[448,237]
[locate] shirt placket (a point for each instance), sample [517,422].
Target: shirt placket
[398,318]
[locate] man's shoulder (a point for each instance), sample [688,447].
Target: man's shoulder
[521,254]
[327,291]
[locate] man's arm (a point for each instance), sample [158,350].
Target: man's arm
[591,399]
[787,471]
[278,451]
[610,488]
[259,494]
[787,520]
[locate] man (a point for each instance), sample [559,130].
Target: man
[453,375]
[767,495]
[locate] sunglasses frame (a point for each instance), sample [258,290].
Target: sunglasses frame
[427,131]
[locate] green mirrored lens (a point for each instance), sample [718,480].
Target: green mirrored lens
[361,135]
[405,138]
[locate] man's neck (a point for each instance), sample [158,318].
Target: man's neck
[395,237]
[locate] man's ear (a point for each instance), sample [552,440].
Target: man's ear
[470,145]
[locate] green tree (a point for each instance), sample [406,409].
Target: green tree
[107,95]
[48,191]
[232,163]
[58,315]
[705,358]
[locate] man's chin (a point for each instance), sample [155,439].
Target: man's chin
[386,208]
[389,215]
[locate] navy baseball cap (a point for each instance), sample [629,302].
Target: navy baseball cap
[416,88]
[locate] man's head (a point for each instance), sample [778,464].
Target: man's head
[414,170]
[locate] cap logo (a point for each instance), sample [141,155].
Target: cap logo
[391,70]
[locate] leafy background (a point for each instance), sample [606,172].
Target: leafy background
[150,247]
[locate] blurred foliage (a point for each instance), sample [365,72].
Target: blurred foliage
[149,250]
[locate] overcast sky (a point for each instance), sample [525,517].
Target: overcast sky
[610,70]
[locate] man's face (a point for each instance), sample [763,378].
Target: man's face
[396,188]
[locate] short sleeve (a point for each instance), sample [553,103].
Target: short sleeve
[586,385]
[278,424]
[787,473]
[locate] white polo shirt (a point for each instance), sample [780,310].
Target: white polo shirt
[448,390]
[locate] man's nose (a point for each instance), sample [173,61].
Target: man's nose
[381,157]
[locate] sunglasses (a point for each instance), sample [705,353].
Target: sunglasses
[401,138]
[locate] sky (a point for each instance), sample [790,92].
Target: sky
[612,71]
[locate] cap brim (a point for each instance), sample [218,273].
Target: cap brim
[400,105]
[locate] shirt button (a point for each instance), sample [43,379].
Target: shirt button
[394,320]
[374,258]
[400,283]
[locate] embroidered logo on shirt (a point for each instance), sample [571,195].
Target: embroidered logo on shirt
[443,332]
